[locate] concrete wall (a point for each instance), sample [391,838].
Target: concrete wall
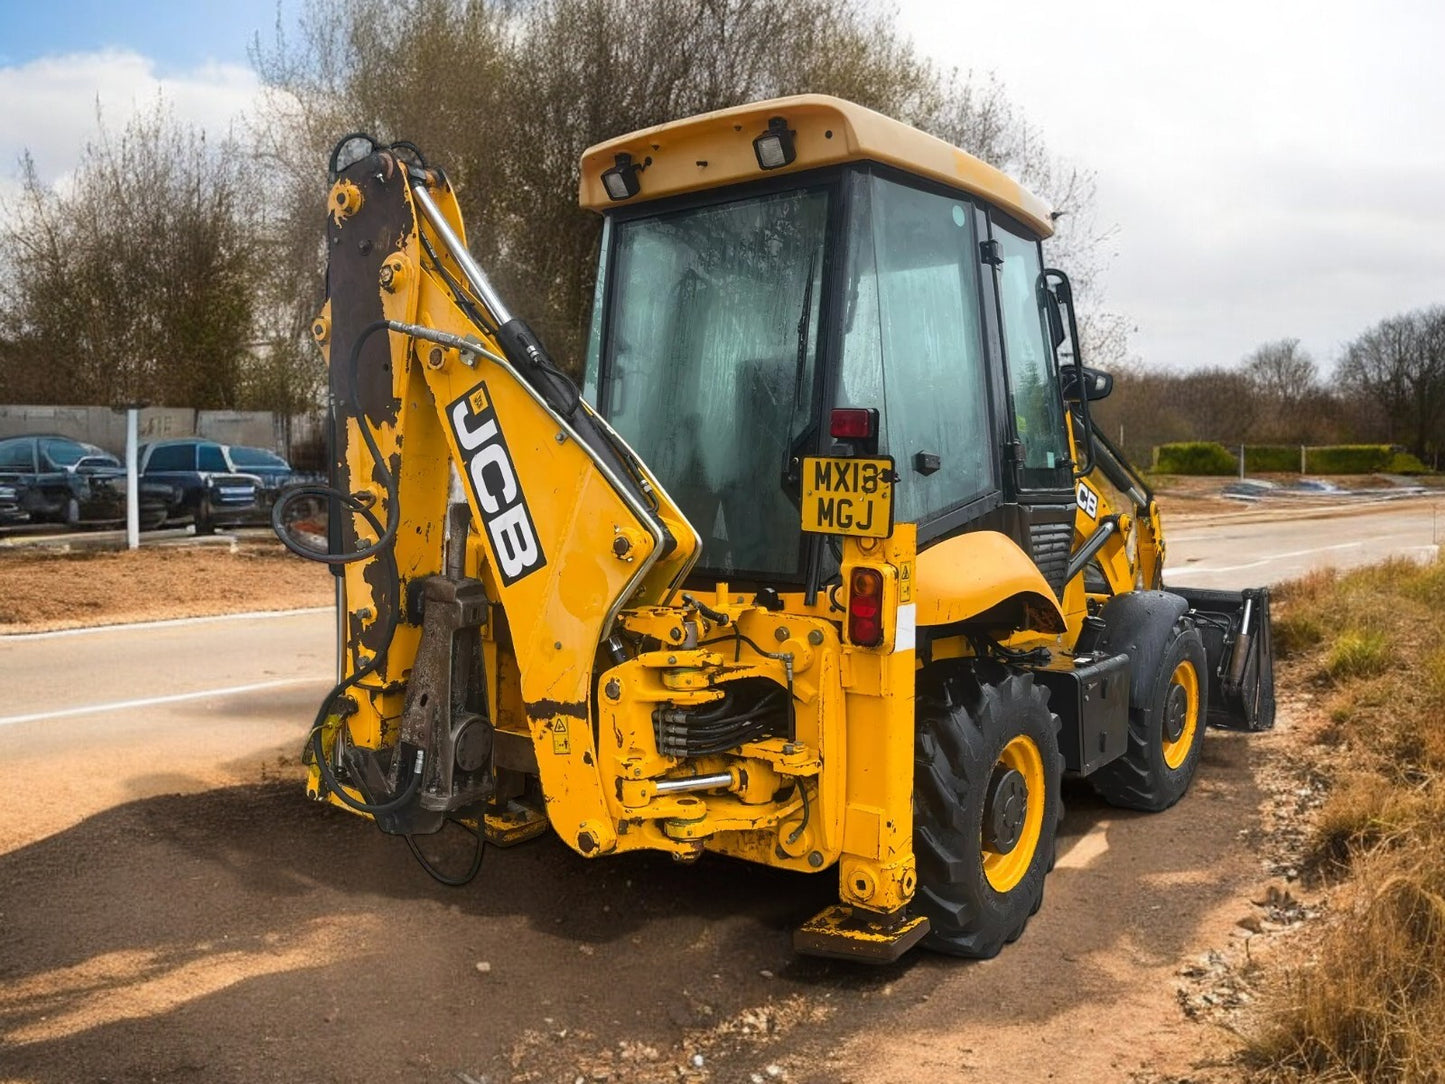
[106,427]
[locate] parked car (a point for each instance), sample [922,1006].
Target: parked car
[275,473]
[210,493]
[12,502]
[54,479]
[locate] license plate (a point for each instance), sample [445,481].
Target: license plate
[848,496]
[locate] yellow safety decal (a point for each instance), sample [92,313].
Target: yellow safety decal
[561,742]
[477,398]
[848,496]
[905,582]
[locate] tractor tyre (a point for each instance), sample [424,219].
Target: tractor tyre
[986,804]
[1166,733]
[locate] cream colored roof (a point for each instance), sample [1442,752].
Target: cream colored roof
[716,149]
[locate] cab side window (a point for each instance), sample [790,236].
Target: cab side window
[18,456]
[913,344]
[173,457]
[211,458]
[1037,407]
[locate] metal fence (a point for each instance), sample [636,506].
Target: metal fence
[300,438]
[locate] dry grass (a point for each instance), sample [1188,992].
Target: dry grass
[1368,1004]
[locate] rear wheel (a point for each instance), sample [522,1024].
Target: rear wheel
[986,804]
[1166,734]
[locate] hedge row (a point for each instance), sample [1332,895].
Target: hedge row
[1194,457]
[1204,457]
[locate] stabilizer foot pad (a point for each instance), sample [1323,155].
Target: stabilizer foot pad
[841,933]
[516,824]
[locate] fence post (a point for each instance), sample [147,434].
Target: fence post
[1303,465]
[1241,462]
[132,478]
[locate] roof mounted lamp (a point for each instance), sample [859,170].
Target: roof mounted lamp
[621,180]
[774,147]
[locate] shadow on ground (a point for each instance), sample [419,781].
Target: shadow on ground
[247,934]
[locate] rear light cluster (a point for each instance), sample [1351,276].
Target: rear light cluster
[853,423]
[865,607]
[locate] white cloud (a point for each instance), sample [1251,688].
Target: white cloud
[50,103]
[1273,168]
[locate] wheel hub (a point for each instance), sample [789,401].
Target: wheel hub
[1176,712]
[1004,809]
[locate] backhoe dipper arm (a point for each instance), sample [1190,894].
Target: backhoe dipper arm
[436,385]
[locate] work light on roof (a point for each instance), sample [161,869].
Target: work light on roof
[774,147]
[621,180]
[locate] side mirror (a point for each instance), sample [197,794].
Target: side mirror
[1096,384]
[1055,318]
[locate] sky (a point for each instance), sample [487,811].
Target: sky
[1269,169]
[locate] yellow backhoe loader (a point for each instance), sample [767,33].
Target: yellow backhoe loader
[825,566]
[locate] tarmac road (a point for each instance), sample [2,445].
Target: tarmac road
[171,907]
[1268,546]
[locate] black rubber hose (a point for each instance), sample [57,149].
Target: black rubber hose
[387,535]
[442,878]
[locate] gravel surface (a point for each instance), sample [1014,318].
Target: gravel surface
[40,589]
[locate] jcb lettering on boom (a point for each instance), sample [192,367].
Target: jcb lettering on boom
[487,465]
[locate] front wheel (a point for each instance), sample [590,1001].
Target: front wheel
[986,804]
[1166,733]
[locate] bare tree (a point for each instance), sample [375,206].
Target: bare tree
[1399,365]
[1286,384]
[134,282]
[508,95]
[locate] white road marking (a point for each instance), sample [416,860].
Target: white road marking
[171,622]
[1194,570]
[151,701]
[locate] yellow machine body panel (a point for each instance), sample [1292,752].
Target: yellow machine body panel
[533,634]
[972,574]
[716,149]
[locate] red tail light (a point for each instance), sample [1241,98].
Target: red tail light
[865,607]
[853,423]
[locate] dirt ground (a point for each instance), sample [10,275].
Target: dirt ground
[244,934]
[42,589]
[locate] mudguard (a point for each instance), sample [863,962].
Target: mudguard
[1137,624]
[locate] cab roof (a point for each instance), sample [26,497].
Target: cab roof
[716,149]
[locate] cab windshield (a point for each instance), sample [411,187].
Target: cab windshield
[708,365]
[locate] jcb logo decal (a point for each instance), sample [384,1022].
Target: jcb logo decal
[1088,500]
[487,464]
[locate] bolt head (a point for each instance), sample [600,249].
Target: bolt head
[815,859]
[614,689]
[780,634]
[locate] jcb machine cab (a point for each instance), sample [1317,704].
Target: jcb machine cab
[824,568]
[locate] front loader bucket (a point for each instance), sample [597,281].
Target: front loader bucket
[1235,627]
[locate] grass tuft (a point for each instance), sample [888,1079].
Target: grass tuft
[1367,1003]
[1358,654]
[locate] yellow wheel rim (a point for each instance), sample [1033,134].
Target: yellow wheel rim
[1013,813]
[1181,714]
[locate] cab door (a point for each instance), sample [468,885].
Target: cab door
[1038,467]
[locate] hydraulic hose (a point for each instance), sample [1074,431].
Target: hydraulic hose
[383,547]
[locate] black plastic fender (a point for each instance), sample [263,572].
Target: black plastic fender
[1137,624]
